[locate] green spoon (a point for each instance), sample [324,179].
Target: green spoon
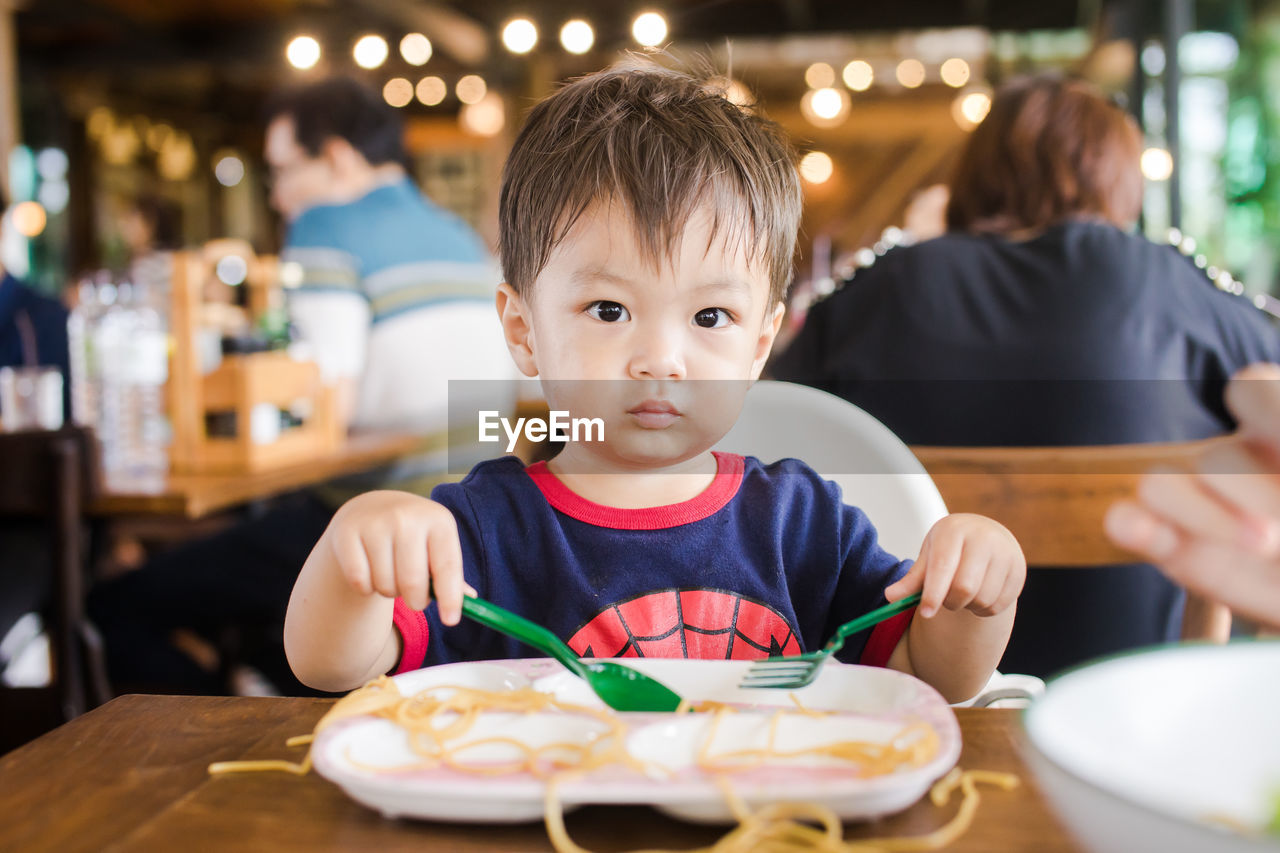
[620,687]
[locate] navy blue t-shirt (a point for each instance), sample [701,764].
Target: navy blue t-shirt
[767,560]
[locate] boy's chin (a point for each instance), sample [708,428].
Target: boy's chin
[642,453]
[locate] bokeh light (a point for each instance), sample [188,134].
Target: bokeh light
[471,89]
[910,73]
[816,167]
[431,90]
[954,72]
[370,51]
[397,92]
[649,29]
[29,218]
[303,52]
[858,75]
[576,36]
[825,107]
[1157,164]
[520,35]
[970,108]
[415,48]
[819,75]
[229,170]
[486,117]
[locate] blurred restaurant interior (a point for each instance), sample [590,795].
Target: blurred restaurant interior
[135,127]
[114,100]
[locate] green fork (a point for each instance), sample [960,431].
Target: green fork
[620,687]
[794,671]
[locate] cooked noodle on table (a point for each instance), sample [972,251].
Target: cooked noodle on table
[438,719]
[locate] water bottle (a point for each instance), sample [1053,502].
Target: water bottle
[133,341]
[86,374]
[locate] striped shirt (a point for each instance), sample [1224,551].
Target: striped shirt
[396,293]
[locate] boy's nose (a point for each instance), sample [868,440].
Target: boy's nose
[658,356]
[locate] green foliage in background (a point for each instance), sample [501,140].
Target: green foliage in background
[1251,162]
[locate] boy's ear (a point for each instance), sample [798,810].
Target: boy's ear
[517,328]
[341,155]
[765,343]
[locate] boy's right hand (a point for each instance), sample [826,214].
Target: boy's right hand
[400,545]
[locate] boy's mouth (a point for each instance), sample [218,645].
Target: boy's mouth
[654,414]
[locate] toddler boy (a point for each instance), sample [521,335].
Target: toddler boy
[647,227]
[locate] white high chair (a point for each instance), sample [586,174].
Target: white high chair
[875,470]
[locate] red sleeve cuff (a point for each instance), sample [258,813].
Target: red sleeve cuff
[884,639]
[414,632]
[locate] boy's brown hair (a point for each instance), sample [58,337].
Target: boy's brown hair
[1051,149]
[660,143]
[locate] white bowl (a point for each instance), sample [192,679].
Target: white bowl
[1155,750]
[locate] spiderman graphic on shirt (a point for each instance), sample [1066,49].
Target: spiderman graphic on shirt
[686,623]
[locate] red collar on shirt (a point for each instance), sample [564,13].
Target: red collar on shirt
[728,477]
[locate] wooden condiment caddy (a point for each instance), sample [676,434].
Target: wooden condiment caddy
[240,383]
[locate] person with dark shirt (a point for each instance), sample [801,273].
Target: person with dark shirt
[33,328]
[33,332]
[1039,318]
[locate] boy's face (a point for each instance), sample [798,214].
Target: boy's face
[602,311]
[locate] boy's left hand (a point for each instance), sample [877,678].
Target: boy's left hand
[967,562]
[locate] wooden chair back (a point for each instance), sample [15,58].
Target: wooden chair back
[51,476]
[1054,500]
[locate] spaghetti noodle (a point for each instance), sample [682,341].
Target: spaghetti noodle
[437,718]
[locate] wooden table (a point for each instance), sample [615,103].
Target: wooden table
[130,776]
[198,495]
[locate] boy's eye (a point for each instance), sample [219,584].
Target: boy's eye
[609,312]
[712,318]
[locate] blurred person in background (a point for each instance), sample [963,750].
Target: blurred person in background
[151,223]
[33,328]
[1040,318]
[926,213]
[33,332]
[381,281]
[151,229]
[1216,531]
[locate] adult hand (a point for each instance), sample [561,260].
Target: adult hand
[1216,531]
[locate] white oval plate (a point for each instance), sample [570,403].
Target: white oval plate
[360,755]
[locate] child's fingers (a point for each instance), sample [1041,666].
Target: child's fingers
[1132,526]
[971,569]
[1015,582]
[444,558]
[379,550]
[411,566]
[994,584]
[352,560]
[944,559]
[1008,596]
[913,580]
